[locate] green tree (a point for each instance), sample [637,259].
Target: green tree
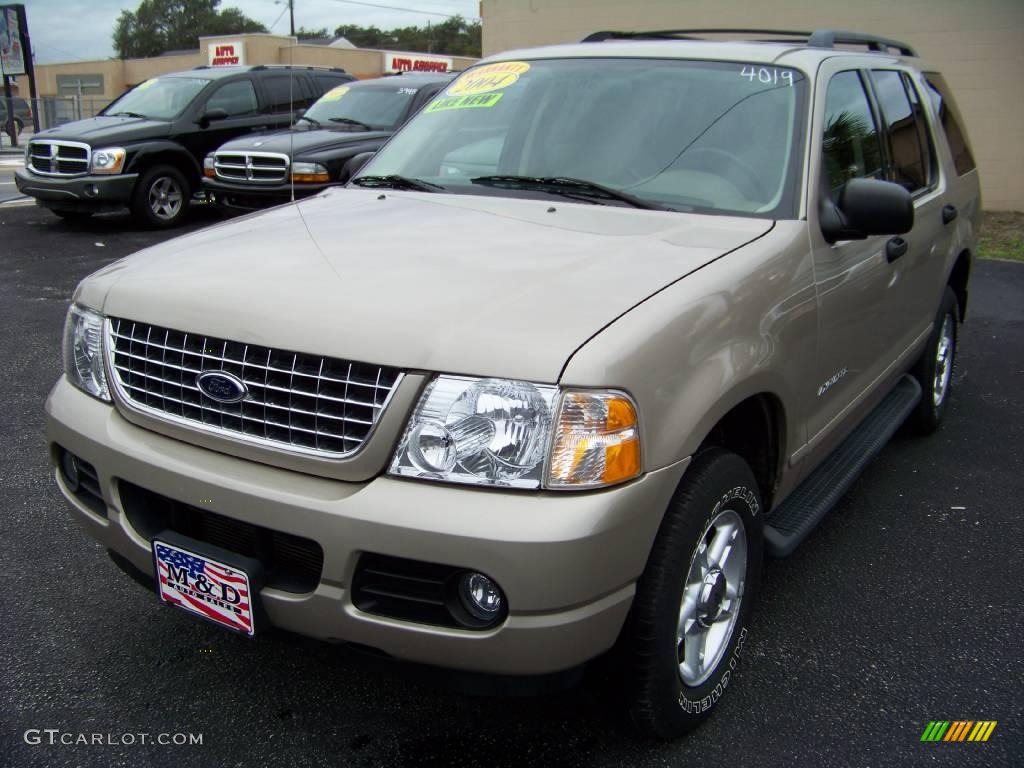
[157,26]
[455,36]
[312,34]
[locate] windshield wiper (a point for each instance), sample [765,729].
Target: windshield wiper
[312,121]
[568,187]
[126,114]
[350,121]
[398,182]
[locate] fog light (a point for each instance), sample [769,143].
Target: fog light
[69,469]
[480,596]
[91,190]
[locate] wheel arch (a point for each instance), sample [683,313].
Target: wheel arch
[166,153]
[754,428]
[959,279]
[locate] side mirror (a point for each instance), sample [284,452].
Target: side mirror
[355,165]
[867,207]
[210,115]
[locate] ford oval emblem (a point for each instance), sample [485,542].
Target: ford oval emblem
[221,386]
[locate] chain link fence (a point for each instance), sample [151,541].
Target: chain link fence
[21,117]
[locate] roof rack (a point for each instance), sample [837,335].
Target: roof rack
[821,38]
[317,67]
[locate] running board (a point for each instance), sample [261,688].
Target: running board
[797,516]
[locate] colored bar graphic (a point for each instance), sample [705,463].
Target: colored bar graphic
[958,730]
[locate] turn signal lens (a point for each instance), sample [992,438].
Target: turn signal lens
[596,443]
[208,167]
[309,173]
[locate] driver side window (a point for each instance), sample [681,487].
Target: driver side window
[237,98]
[851,146]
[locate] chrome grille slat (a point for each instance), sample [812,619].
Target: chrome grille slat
[295,401]
[58,158]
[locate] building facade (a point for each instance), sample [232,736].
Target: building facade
[103,80]
[977,44]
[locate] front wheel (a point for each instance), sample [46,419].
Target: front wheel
[688,623]
[934,370]
[161,197]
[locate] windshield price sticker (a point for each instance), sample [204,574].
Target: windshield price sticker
[488,78]
[768,75]
[145,85]
[474,101]
[335,93]
[408,91]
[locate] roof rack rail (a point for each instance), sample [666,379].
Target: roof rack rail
[315,67]
[821,38]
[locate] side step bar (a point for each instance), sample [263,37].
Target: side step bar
[797,516]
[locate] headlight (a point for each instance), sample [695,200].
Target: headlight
[83,351]
[208,169]
[309,172]
[109,160]
[497,432]
[479,431]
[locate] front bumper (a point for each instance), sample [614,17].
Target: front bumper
[568,562]
[249,197]
[84,193]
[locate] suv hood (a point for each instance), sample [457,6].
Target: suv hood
[104,130]
[297,142]
[476,285]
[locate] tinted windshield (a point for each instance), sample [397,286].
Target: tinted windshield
[375,106]
[161,98]
[688,135]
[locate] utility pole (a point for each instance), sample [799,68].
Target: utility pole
[291,14]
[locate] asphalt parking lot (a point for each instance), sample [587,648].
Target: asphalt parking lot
[902,608]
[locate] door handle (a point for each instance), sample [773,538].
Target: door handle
[948,213]
[895,248]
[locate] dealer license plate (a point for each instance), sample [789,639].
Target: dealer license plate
[214,591]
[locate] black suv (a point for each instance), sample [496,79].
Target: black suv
[22,115]
[145,150]
[258,171]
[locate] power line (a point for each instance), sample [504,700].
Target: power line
[271,27]
[407,10]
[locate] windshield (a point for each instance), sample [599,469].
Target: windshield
[374,106]
[717,137]
[161,98]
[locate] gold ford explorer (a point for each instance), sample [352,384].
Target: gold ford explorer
[598,328]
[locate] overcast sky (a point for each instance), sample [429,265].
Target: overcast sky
[78,30]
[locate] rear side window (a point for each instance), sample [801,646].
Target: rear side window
[911,162]
[949,116]
[852,149]
[285,93]
[237,98]
[324,82]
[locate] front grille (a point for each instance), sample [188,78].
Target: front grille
[305,403]
[290,563]
[58,158]
[251,167]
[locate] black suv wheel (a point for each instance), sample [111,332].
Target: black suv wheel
[161,197]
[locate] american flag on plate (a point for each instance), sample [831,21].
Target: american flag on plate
[210,589]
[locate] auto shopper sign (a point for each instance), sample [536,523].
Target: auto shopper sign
[227,54]
[415,62]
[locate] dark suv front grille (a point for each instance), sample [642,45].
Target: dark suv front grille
[290,563]
[251,167]
[58,158]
